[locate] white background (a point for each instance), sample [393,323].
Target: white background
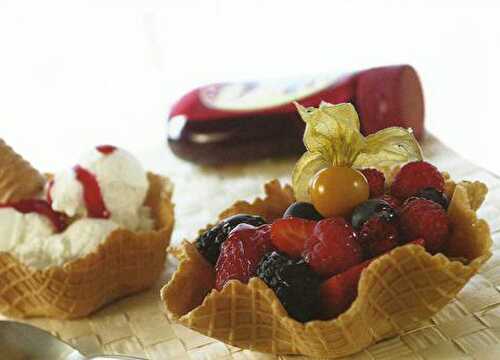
[78,73]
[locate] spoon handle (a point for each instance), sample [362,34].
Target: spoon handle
[114,357]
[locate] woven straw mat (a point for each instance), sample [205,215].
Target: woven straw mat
[467,328]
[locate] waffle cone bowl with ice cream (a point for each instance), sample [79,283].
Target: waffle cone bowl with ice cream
[69,262]
[391,287]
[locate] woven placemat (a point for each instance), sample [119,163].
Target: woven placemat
[467,328]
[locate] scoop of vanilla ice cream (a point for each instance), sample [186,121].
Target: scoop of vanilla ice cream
[23,235]
[123,184]
[32,239]
[79,239]
[66,193]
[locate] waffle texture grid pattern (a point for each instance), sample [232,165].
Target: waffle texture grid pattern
[397,291]
[125,263]
[466,328]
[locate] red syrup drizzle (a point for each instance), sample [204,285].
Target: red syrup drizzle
[41,207]
[50,185]
[106,149]
[92,195]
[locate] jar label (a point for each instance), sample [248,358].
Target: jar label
[248,96]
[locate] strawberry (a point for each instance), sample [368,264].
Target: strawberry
[422,218]
[241,252]
[339,292]
[289,235]
[414,177]
[333,247]
[376,181]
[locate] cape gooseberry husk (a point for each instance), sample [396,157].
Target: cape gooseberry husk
[333,138]
[337,190]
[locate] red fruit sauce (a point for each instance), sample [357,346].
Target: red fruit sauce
[92,195]
[106,149]
[49,191]
[41,207]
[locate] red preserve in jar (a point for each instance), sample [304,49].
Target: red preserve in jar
[234,122]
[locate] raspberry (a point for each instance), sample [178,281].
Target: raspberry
[333,247]
[378,236]
[376,181]
[394,202]
[209,243]
[416,176]
[289,235]
[421,218]
[293,281]
[241,252]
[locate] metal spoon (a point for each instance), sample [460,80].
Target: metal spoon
[20,341]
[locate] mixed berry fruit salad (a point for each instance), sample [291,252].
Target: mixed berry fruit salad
[369,240]
[314,255]
[313,258]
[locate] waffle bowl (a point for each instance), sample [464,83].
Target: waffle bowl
[396,291]
[18,179]
[124,263]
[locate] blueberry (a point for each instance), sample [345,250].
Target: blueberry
[209,243]
[369,208]
[435,195]
[303,210]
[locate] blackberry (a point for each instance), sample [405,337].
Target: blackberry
[293,281]
[433,195]
[209,243]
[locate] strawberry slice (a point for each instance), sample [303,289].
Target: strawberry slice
[339,292]
[289,235]
[241,253]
